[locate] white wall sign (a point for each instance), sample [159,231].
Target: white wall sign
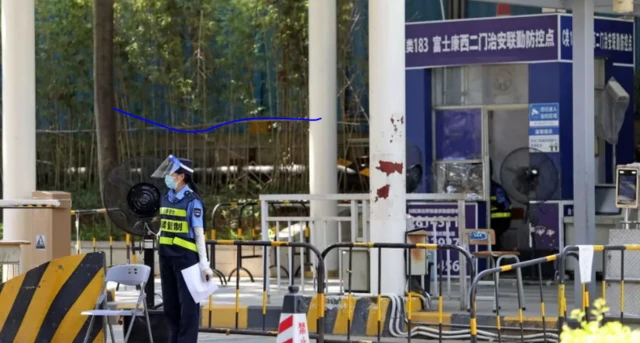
[41,242]
[544,127]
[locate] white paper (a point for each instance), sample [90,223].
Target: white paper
[200,290]
[586,262]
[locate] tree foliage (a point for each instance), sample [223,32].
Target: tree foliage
[189,64]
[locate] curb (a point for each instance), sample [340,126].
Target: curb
[533,322]
[364,317]
[363,312]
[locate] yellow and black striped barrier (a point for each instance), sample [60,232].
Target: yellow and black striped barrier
[407,248]
[357,316]
[548,331]
[35,206]
[346,164]
[239,313]
[90,211]
[572,251]
[44,304]
[29,203]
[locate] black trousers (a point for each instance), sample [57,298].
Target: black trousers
[500,226]
[181,311]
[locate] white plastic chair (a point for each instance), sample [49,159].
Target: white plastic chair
[128,275]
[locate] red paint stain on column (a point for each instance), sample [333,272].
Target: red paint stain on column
[383,192]
[389,167]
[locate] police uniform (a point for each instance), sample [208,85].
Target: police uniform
[500,212]
[180,213]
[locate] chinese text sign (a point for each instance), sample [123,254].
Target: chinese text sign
[481,41]
[511,40]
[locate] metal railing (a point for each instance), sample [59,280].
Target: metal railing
[10,259]
[585,297]
[358,205]
[243,228]
[320,292]
[129,240]
[317,226]
[401,315]
[212,248]
[548,333]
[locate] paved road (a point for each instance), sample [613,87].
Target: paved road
[208,338]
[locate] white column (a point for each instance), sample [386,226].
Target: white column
[323,134]
[387,139]
[18,113]
[583,128]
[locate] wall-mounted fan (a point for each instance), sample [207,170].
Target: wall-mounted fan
[132,199]
[527,175]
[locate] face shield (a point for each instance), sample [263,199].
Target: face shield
[170,166]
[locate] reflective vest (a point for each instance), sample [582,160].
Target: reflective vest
[500,208]
[177,236]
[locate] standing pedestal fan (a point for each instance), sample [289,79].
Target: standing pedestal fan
[527,175]
[132,199]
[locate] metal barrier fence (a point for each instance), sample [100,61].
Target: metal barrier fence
[398,305]
[546,333]
[498,333]
[242,220]
[320,292]
[358,220]
[212,248]
[129,240]
[572,251]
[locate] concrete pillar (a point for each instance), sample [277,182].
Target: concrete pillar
[583,129]
[387,139]
[323,135]
[18,113]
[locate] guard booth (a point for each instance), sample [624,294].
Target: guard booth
[479,88]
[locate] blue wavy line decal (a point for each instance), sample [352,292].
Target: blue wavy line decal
[215,126]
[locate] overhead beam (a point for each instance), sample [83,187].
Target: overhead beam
[537,3]
[599,6]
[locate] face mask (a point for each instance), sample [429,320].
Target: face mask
[170,182]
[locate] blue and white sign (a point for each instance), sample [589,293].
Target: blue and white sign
[613,39]
[544,127]
[478,236]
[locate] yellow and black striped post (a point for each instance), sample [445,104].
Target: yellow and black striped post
[44,304]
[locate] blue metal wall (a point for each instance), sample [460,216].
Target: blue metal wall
[416,10]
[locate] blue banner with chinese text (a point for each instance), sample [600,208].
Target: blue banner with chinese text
[612,39]
[521,39]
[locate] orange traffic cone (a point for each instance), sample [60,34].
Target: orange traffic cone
[293,321]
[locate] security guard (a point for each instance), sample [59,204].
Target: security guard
[500,210]
[181,245]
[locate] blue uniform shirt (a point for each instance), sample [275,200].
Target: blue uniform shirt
[195,212]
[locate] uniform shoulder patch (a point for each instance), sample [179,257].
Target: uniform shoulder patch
[197,212]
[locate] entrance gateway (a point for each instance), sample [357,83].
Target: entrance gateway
[478,89]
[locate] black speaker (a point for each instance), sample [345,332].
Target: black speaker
[139,334]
